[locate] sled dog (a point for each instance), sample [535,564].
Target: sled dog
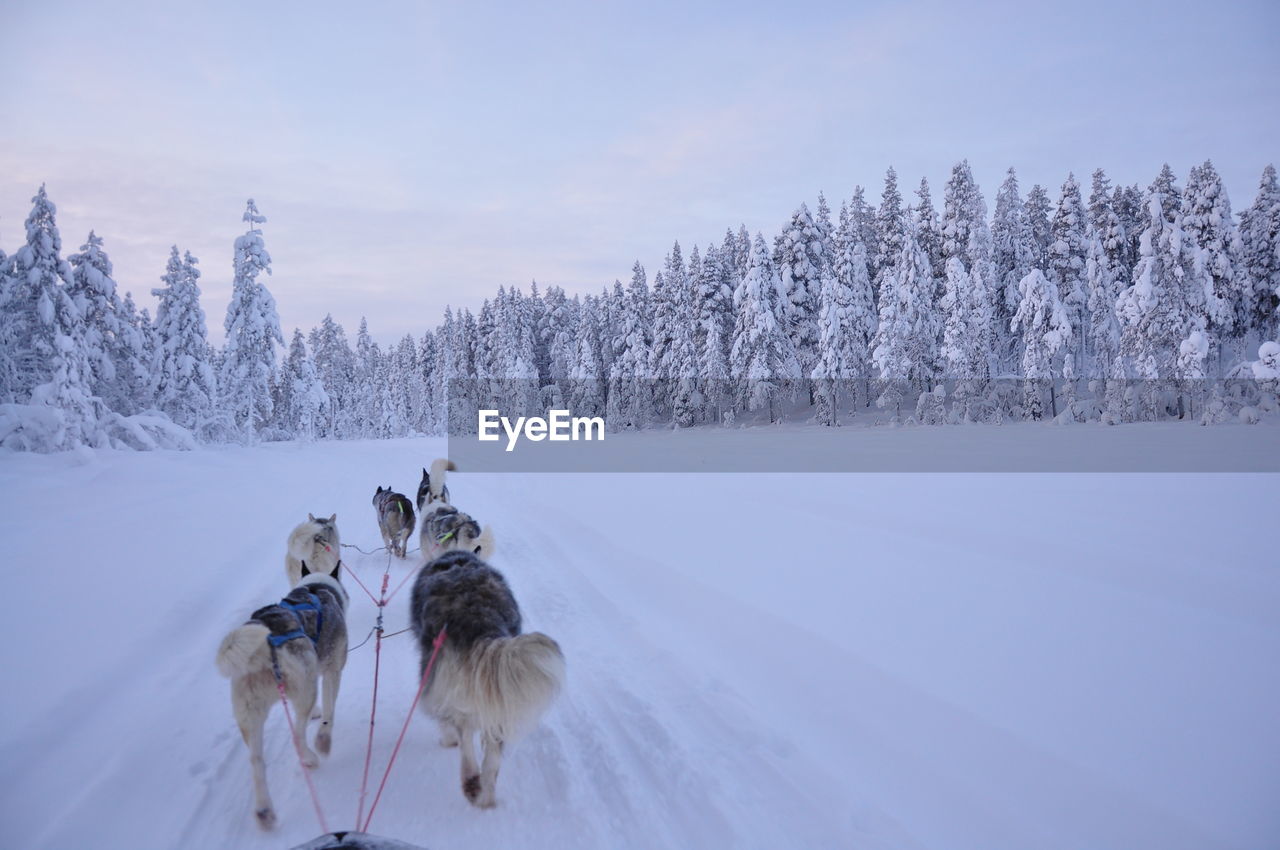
[304,637]
[432,488]
[316,542]
[447,528]
[443,527]
[395,519]
[488,678]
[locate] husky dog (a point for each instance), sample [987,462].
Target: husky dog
[304,637]
[395,519]
[488,678]
[432,488]
[316,542]
[447,528]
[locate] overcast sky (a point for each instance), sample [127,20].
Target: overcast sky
[410,155]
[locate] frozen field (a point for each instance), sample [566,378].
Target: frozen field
[789,660]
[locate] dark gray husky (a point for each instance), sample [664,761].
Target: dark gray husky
[304,636]
[395,519]
[489,678]
[442,526]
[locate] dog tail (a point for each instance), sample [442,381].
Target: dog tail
[438,468]
[512,681]
[244,651]
[485,544]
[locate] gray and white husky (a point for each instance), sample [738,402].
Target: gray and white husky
[488,678]
[303,637]
[442,527]
[316,542]
[395,519]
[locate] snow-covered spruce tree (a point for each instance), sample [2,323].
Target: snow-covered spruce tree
[1103,328]
[1067,250]
[668,314]
[929,235]
[183,382]
[850,270]
[1163,306]
[842,345]
[1038,208]
[891,228]
[45,339]
[1128,204]
[335,364]
[8,369]
[1045,328]
[763,359]
[1106,224]
[134,357]
[800,269]
[965,350]
[557,330]
[94,292]
[427,398]
[628,403]
[253,332]
[1013,255]
[713,305]
[1260,255]
[368,398]
[518,352]
[1165,186]
[1206,219]
[405,378]
[307,399]
[862,221]
[585,384]
[902,349]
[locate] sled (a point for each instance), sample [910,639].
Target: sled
[355,841]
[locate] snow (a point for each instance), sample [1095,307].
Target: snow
[882,661]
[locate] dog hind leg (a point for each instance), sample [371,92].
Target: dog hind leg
[303,696]
[251,716]
[470,774]
[449,735]
[487,797]
[324,738]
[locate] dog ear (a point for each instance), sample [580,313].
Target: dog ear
[311,518]
[425,476]
[305,572]
[333,518]
[379,489]
[336,575]
[477,550]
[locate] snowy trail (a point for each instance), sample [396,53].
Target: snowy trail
[754,661]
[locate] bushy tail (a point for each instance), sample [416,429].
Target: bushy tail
[438,468]
[509,682]
[244,651]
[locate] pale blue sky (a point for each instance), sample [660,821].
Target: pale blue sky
[409,155]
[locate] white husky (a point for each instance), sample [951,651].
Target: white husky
[299,639]
[316,542]
[442,527]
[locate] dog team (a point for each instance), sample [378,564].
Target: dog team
[489,679]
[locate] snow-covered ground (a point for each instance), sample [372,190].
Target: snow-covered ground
[880,661]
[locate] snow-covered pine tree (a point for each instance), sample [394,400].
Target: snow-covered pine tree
[1165,186]
[1045,328]
[306,398]
[851,271]
[929,233]
[183,385]
[134,358]
[1067,250]
[891,227]
[1206,218]
[1103,329]
[94,292]
[903,347]
[630,383]
[1260,255]
[842,336]
[253,332]
[713,304]
[862,221]
[426,401]
[763,359]
[965,351]
[1038,208]
[368,414]
[585,384]
[801,262]
[1013,255]
[335,364]
[1165,303]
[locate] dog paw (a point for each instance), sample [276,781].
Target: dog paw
[266,818]
[323,742]
[485,799]
[310,760]
[471,788]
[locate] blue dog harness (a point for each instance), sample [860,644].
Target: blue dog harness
[313,604]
